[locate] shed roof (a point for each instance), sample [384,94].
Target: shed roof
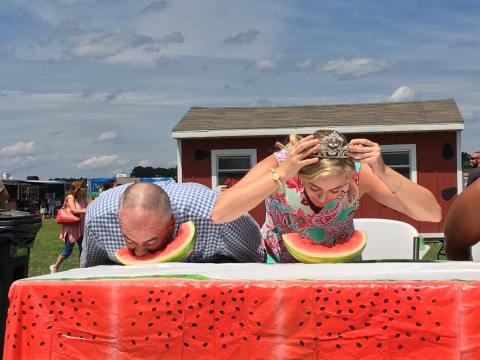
[432,115]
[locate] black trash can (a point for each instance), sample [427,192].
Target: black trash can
[17,234]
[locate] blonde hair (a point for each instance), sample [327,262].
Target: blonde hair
[325,166]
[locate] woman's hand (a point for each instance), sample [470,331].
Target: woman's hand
[298,157]
[367,152]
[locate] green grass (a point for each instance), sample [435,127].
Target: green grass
[46,248]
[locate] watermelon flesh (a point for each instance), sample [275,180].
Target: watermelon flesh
[137,318]
[177,250]
[306,251]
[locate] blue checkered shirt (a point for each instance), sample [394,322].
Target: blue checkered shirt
[239,240]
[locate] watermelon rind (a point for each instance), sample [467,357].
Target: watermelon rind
[328,256]
[178,254]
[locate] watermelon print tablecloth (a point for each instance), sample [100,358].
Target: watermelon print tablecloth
[248,311]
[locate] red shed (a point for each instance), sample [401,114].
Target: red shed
[419,139]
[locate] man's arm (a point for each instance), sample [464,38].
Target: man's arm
[462,228]
[93,252]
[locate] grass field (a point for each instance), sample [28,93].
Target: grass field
[47,246]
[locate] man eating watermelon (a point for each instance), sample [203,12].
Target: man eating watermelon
[147,217]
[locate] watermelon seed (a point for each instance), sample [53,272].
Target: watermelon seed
[418,298]
[437,323]
[237,308]
[222,335]
[150,324]
[384,327]
[322,308]
[361,306]
[344,319]
[337,302]
[167,346]
[179,302]
[157,317]
[14,346]
[434,301]
[78,324]
[245,338]
[210,327]
[216,319]
[169,335]
[429,312]
[224,346]
[167,303]
[259,323]
[325,299]
[384,311]
[34,324]
[187,295]
[302,301]
[205,344]
[154,309]
[418,324]
[194,324]
[351,327]
[390,318]
[367,324]
[366,337]
[409,317]
[212,302]
[437,339]
[339,312]
[24,327]
[157,300]
[400,346]
[92,302]
[397,335]
[133,323]
[211,311]
[180,327]
[94,323]
[359,345]
[318,290]
[232,334]
[44,296]
[169,312]
[408,334]
[358,294]
[329,333]
[302,343]
[385,300]
[350,311]
[397,302]
[327,317]
[159,333]
[376,294]
[223,303]
[174,319]
[186,344]
[413,308]
[150,291]
[338,291]
[190,307]
[330,289]
[319,324]
[396,311]
[234,299]
[379,345]
[60,345]
[317,298]
[409,298]
[242,324]
[349,301]
[42,343]
[300,323]
[372,303]
[258,337]
[140,313]
[308,313]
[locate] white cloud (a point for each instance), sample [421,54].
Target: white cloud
[403,93]
[145,163]
[96,162]
[124,47]
[305,64]
[355,67]
[155,7]
[19,148]
[107,136]
[264,64]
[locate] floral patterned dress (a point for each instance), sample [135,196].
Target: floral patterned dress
[291,211]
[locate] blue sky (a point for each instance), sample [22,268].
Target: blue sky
[94,87]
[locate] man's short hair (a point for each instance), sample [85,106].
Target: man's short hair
[146,196]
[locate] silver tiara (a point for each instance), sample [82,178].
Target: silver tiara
[333,147]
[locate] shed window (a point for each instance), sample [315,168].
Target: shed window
[231,165]
[401,158]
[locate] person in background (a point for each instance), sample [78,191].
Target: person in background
[475,174]
[462,225]
[108,185]
[73,233]
[4,196]
[312,187]
[51,205]
[43,210]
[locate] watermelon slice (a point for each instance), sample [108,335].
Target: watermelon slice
[145,318]
[306,251]
[177,250]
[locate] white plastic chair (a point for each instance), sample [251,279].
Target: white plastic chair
[476,252]
[389,239]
